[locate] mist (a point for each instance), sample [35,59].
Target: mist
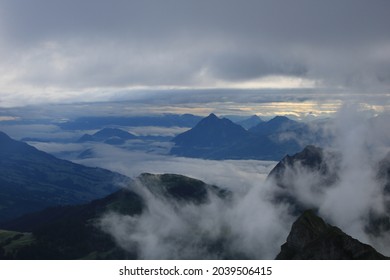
[251,224]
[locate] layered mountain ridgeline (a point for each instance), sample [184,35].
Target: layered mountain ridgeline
[311,238]
[74,232]
[112,136]
[31,180]
[166,120]
[215,138]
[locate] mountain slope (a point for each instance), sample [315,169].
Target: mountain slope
[313,239]
[71,232]
[74,232]
[31,180]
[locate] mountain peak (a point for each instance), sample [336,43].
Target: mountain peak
[209,134]
[312,238]
[212,116]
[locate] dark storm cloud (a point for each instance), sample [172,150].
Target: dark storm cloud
[75,45]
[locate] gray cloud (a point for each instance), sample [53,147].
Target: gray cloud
[56,49]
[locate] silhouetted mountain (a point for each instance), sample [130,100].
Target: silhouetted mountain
[31,180]
[180,188]
[313,239]
[113,136]
[73,232]
[167,120]
[276,125]
[215,138]
[319,170]
[209,134]
[250,122]
[285,131]
[212,132]
[310,158]
[287,173]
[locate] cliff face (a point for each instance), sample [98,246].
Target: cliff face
[311,238]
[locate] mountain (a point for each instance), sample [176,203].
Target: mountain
[322,167]
[320,170]
[179,188]
[112,136]
[250,122]
[297,135]
[275,125]
[31,180]
[310,158]
[311,238]
[209,134]
[73,232]
[215,138]
[212,132]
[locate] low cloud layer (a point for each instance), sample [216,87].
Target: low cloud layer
[253,226]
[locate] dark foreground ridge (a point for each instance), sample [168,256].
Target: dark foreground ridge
[74,232]
[313,239]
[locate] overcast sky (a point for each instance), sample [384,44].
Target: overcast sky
[56,50]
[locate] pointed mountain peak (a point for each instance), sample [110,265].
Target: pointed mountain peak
[312,238]
[210,119]
[212,116]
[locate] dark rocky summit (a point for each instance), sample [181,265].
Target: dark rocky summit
[313,239]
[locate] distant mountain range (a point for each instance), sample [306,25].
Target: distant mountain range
[215,138]
[51,208]
[32,180]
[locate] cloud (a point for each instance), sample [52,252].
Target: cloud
[247,227]
[56,52]
[346,190]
